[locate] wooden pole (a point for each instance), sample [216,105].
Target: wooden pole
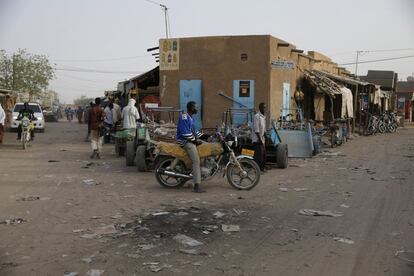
[355,109]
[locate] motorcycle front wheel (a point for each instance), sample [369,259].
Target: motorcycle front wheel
[166,180]
[247,177]
[24,140]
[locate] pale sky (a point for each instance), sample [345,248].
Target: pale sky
[109,35]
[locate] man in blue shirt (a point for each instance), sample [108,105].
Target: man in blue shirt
[187,137]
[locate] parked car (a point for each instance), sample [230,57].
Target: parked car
[35,107]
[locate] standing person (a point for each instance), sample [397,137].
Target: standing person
[2,120]
[87,115]
[187,137]
[130,116]
[108,122]
[258,136]
[69,114]
[79,114]
[96,117]
[116,112]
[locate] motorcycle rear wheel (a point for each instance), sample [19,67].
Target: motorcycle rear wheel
[238,180]
[165,180]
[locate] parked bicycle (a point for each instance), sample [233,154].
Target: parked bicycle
[385,122]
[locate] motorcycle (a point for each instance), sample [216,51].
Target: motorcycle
[27,128]
[173,168]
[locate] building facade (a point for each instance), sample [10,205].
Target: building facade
[225,72]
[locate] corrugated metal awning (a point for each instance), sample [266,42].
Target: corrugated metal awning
[344,79]
[322,83]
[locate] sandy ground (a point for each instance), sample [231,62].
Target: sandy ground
[114,224]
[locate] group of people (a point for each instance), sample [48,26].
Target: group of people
[102,121]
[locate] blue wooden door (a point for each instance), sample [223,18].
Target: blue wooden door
[286,99]
[190,90]
[243,97]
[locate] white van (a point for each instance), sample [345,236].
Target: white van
[35,107]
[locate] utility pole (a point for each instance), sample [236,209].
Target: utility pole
[165,9]
[166,18]
[356,62]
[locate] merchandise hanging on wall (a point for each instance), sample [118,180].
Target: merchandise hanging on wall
[169,54]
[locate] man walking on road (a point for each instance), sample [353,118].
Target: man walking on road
[96,117]
[258,136]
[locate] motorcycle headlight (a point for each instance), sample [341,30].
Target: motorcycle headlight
[14,117]
[40,118]
[25,123]
[230,143]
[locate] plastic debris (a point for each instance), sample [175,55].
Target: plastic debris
[230,228]
[189,251]
[13,221]
[45,198]
[106,230]
[186,240]
[89,236]
[150,263]
[28,198]
[239,212]
[157,268]
[344,206]
[311,212]
[133,256]
[160,214]
[90,182]
[145,246]
[53,161]
[129,196]
[95,272]
[283,189]
[87,260]
[343,240]
[401,255]
[78,230]
[197,263]
[70,273]
[301,189]
[219,214]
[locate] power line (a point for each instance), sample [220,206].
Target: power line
[377,60]
[87,70]
[99,60]
[389,50]
[153,2]
[81,79]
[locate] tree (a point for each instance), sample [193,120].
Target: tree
[25,72]
[83,100]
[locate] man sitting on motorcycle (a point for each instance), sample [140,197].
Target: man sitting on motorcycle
[25,112]
[187,137]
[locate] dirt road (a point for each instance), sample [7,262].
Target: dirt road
[106,216]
